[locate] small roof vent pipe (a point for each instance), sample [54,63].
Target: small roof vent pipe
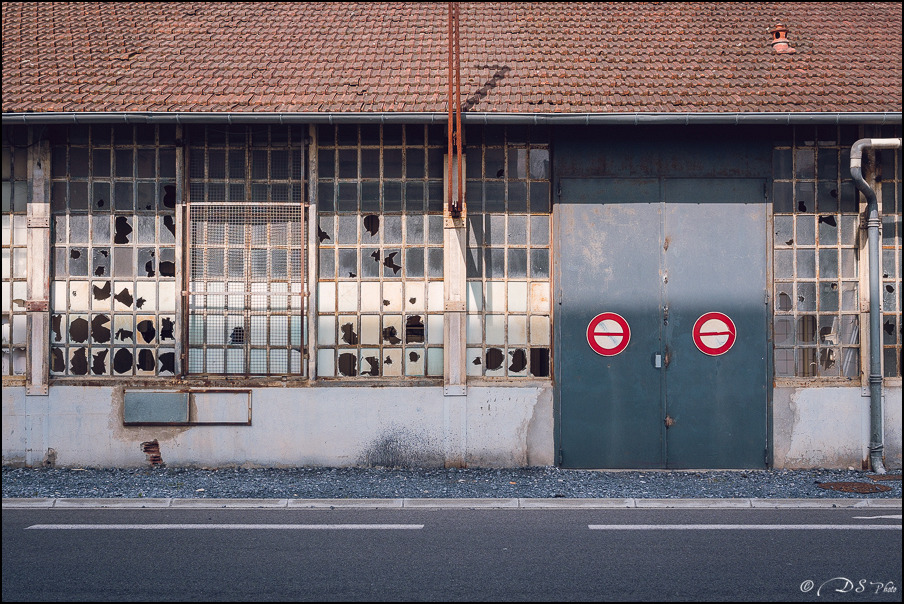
[780,42]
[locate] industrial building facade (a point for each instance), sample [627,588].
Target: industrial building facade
[660,289]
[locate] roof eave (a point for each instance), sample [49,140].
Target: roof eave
[635,118]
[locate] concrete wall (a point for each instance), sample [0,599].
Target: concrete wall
[490,427]
[340,427]
[830,427]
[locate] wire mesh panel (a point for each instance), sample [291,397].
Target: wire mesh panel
[246,294]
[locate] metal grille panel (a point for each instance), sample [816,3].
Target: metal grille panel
[246,293]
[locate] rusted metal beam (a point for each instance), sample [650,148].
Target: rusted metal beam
[455,199]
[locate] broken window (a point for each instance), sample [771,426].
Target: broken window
[888,183]
[246,312]
[816,325]
[508,263]
[380,231]
[15,191]
[113,295]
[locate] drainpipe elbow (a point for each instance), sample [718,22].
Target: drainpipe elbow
[857,151]
[875,459]
[875,143]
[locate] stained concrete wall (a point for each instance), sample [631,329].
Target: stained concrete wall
[340,427]
[830,427]
[490,427]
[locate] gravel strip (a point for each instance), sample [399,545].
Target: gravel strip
[392,483]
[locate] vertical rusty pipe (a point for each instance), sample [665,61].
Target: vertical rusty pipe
[451,204]
[460,201]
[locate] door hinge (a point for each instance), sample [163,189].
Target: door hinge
[766,297]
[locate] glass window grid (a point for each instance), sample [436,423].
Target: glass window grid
[113,294]
[246,308]
[816,253]
[889,182]
[508,208]
[380,226]
[15,292]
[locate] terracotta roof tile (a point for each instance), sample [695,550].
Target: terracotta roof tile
[516,57]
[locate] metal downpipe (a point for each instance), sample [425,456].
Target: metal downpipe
[875,344]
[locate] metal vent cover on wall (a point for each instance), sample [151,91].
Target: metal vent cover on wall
[206,407]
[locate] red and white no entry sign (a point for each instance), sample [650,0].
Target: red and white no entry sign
[608,334]
[714,333]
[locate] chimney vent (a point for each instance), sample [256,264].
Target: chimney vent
[780,41]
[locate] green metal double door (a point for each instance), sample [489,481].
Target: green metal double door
[662,323]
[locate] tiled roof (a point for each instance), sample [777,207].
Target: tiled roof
[542,57]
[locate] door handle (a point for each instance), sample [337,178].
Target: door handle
[657,361]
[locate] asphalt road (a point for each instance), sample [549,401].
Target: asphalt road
[451,554]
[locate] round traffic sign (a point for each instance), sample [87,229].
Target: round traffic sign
[608,334]
[714,333]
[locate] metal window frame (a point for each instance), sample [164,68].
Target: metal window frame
[330,214]
[294,209]
[807,138]
[62,244]
[890,251]
[15,294]
[507,350]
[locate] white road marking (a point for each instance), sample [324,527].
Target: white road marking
[891,516]
[741,527]
[281,527]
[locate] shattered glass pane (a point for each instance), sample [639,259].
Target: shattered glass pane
[806,329]
[784,296]
[806,296]
[828,230]
[474,361]
[828,296]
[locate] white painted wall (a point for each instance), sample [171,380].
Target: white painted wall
[830,427]
[327,426]
[412,426]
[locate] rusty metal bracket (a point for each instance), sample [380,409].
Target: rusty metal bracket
[454,222]
[37,305]
[38,222]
